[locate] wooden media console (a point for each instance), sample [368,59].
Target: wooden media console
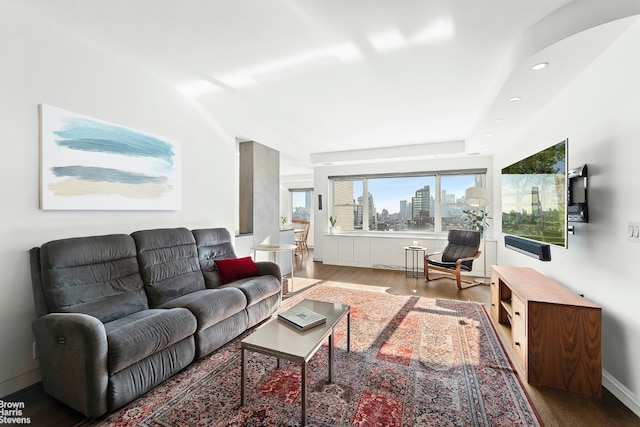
[555,333]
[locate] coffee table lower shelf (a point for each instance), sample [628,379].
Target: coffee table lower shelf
[278,339]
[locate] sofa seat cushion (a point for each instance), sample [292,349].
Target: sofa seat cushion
[144,333]
[211,306]
[257,288]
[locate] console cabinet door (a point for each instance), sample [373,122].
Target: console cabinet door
[495,297]
[518,329]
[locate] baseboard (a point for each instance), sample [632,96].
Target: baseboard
[388,267]
[622,393]
[20,382]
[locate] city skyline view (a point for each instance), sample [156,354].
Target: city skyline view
[389,192]
[394,203]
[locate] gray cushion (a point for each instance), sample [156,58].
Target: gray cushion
[96,275]
[211,306]
[213,243]
[257,288]
[263,309]
[137,379]
[142,334]
[168,264]
[219,334]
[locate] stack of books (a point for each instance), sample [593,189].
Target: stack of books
[302,318]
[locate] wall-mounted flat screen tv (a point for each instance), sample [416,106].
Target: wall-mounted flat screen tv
[534,196]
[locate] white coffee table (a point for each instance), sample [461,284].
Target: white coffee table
[277,338]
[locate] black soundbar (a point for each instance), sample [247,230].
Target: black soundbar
[534,249]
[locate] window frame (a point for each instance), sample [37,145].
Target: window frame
[291,207]
[481,180]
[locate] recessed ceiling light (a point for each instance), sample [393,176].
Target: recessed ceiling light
[499,120]
[514,99]
[539,66]
[487,135]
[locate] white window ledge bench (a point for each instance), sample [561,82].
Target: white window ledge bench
[385,250]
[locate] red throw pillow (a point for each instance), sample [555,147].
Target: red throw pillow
[232,269]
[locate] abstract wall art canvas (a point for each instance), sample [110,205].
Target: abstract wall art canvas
[89,164]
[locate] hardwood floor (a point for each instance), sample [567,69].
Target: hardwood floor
[556,408]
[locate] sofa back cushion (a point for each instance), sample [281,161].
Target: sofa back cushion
[169,264]
[213,244]
[96,275]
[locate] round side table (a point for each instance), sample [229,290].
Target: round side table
[415,258]
[274,249]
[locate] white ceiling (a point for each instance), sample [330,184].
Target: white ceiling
[326,76]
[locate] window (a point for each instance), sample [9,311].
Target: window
[425,202]
[452,204]
[348,203]
[301,204]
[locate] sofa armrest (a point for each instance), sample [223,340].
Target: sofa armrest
[72,349]
[269,268]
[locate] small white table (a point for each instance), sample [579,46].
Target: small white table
[274,249]
[415,258]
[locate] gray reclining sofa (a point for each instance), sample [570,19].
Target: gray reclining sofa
[119,314]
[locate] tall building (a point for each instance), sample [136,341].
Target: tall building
[343,208]
[372,212]
[421,208]
[403,210]
[449,206]
[420,202]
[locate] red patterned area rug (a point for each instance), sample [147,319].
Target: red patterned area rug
[413,362]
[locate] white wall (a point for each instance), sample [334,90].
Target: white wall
[41,64]
[599,113]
